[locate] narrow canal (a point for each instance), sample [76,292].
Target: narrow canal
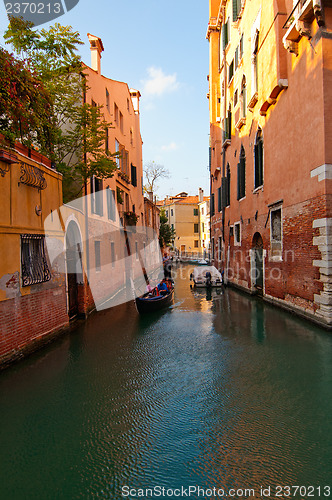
[219,391]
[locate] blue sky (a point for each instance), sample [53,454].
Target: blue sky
[160,49]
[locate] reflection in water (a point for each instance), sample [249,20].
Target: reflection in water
[221,391]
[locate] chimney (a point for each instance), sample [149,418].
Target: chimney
[135,95]
[150,193]
[96,47]
[200,194]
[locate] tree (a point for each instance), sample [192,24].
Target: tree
[25,105]
[166,232]
[153,172]
[78,129]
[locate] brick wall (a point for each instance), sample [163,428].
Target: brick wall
[28,320]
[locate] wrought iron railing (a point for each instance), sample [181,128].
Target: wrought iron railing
[34,265]
[32,176]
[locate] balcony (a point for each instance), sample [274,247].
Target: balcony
[299,22]
[32,176]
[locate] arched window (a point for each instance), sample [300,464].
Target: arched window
[241,175]
[258,159]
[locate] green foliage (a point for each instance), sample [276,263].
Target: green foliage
[25,104]
[77,129]
[166,232]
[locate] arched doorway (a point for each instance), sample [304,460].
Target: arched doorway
[258,268]
[74,266]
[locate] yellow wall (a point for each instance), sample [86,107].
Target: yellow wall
[18,202]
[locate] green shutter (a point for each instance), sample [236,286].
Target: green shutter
[224,192]
[235,11]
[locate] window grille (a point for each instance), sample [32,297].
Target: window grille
[34,266]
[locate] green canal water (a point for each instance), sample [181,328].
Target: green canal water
[218,391]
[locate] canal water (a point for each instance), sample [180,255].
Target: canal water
[219,391]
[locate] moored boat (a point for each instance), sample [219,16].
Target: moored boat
[205,276]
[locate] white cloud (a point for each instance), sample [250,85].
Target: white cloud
[172,146]
[158,83]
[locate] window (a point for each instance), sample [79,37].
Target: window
[258,159]
[107,100]
[128,109]
[167,214]
[219,248]
[276,233]
[225,34]
[236,9]
[97,256]
[96,195]
[226,187]
[111,209]
[106,140]
[34,266]
[131,137]
[236,58]
[117,150]
[125,161]
[202,210]
[237,233]
[133,175]
[121,121]
[172,212]
[243,97]
[212,247]
[212,208]
[136,250]
[236,97]
[195,211]
[254,74]
[202,227]
[219,200]
[241,175]
[116,114]
[195,243]
[195,228]
[112,253]
[228,125]
[231,71]
[241,47]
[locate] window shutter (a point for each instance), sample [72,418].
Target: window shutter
[235,11]
[238,180]
[212,205]
[243,177]
[256,165]
[219,199]
[224,192]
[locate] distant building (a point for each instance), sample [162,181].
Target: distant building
[184,216]
[151,213]
[270,97]
[204,223]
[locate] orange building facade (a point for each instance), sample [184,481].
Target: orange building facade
[110,204]
[270,96]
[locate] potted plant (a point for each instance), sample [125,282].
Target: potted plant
[130,218]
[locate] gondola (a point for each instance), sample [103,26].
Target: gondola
[147,304]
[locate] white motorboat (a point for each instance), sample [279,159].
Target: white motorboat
[205,276]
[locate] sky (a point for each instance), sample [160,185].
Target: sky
[159,48]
